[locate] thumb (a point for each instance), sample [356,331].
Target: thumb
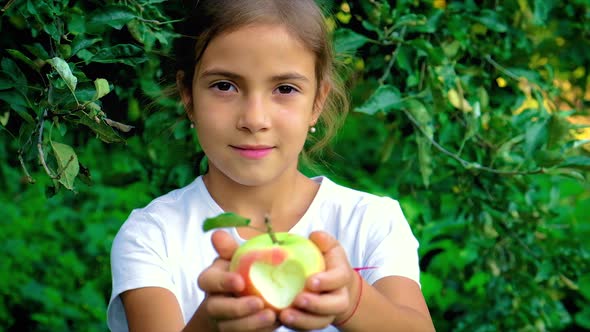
[224,244]
[324,241]
[331,249]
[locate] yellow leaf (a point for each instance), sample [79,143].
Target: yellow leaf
[359,64]
[579,72]
[345,7]
[559,41]
[440,4]
[458,102]
[528,103]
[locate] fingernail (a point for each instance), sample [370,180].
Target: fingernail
[254,304]
[315,283]
[303,302]
[263,317]
[227,282]
[289,319]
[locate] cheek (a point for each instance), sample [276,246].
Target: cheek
[297,116]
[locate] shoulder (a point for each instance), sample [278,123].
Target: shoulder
[165,216]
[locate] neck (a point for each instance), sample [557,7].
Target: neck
[284,199]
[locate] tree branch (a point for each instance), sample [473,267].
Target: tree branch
[468,164]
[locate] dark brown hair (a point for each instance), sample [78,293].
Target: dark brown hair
[303,18]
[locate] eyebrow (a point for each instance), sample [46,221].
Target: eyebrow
[280,77]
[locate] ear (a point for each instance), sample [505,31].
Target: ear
[320,100]
[185,92]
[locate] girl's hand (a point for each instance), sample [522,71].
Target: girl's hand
[332,295]
[223,309]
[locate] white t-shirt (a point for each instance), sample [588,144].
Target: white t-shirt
[164,245]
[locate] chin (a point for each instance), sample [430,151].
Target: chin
[253,179]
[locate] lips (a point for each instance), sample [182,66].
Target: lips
[253,151]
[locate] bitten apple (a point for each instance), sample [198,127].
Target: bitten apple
[277,267]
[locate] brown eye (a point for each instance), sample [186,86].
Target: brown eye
[223,86]
[286,89]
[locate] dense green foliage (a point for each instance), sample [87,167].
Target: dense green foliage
[467,112]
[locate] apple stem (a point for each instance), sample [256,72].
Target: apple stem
[271,233]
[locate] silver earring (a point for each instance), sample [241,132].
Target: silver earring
[192,125]
[312,129]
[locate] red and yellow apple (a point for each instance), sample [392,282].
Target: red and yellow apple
[277,271]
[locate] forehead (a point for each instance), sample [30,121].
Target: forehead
[262,49]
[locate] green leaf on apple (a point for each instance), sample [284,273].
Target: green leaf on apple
[227,219]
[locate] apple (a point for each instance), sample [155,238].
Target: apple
[275,266]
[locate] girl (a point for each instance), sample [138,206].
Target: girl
[257,81]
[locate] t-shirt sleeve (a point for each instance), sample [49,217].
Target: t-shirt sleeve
[391,248]
[138,259]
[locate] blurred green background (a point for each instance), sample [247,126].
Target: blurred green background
[473,114]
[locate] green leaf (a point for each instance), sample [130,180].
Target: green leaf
[142,33]
[102,88]
[432,24]
[583,318]
[420,114]
[6,82]
[223,220]
[127,54]
[20,56]
[63,69]
[423,137]
[542,9]
[491,20]
[37,50]
[577,162]
[347,41]
[435,55]
[4,119]
[104,131]
[82,42]
[424,158]
[409,20]
[114,16]
[384,99]
[536,136]
[11,69]
[584,284]
[18,103]
[67,162]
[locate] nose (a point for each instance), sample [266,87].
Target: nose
[254,115]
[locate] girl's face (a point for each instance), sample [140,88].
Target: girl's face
[253,101]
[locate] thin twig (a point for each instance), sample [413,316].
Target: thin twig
[65,167]
[22,164]
[465,163]
[40,146]
[422,75]
[7,6]
[156,22]
[501,68]
[387,71]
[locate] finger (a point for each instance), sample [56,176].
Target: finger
[332,303]
[300,320]
[338,272]
[217,279]
[264,320]
[224,244]
[333,252]
[224,308]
